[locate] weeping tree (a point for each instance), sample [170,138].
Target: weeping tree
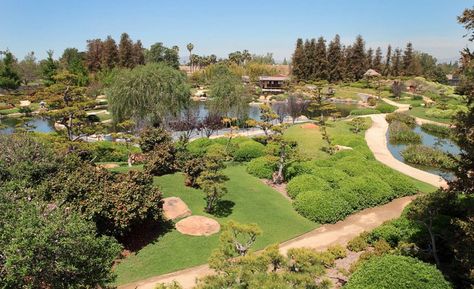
[150,93]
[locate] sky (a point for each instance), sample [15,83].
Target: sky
[219,27]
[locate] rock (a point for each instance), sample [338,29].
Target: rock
[25,103]
[101,97]
[175,208]
[109,166]
[198,226]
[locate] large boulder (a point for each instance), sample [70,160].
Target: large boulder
[174,208]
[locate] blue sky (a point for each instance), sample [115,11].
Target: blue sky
[219,27]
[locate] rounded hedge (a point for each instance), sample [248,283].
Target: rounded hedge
[331,175]
[305,183]
[321,206]
[299,168]
[262,167]
[248,150]
[396,272]
[370,189]
[199,146]
[352,166]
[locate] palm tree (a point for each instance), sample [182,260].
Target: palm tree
[190,48]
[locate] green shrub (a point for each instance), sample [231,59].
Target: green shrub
[427,156]
[396,272]
[262,167]
[359,243]
[437,130]
[332,176]
[321,206]
[364,111]
[395,231]
[248,150]
[370,189]
[338,251]
[400,184]
[401,117]
[199,146]
[385,108]
[106,151]
[400,132]
[352,166]
[299,168]
[305,183]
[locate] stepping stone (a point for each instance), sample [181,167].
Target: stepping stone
[198,226]
[175,208]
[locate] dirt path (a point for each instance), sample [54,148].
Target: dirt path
[377,142]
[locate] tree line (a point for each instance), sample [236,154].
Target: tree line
[313,60]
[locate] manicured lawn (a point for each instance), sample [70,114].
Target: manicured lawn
[308,139]
[345,92]
[253,202]
[9,111]
[421,112]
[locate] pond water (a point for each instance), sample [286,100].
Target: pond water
[37,123]
[429,140]
[41,124]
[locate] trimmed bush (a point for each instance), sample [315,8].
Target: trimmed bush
[427,156]
[305,183]
[352,166]
[397,230]
[401,117]
[399,132]
[396,272]
[248,150]
[332,176]
[364,111]
[370,189]
[400,184]
[199,146]
[321,206]
[262,167]
[385,108]
[299,168]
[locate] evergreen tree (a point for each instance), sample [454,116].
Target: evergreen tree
[139,56]
[73,61]
[357,64]
[298,60]
[377,64]
[346,54]
[397,62]
[94,55]
[335,60]
[388,62]
[309,49]
[48,69]
[110,56]
[320,61]
[126,51]
[9,78]
[408,60]
[370,58]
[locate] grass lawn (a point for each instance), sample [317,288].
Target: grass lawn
[254,202]
[421,113]
[308,139]
[344,92]
[9,111]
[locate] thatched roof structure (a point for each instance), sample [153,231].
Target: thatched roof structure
[372,73]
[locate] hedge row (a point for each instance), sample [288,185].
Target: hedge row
[241,149]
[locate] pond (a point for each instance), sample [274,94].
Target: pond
[443,144]
[37,123]
[41,124]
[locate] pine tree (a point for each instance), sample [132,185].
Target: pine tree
[388,62]
[109,55]
[9,78]
[335,60]
[357,64]
[126,51]
[94,54]
[397,62]
[370,58]
[48,69]
[319,61]
[298,60]
[309,49]
[377,64]
[408,61]
[346,54]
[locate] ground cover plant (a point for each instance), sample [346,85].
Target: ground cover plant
[364,111]
[437,130]
[400,132]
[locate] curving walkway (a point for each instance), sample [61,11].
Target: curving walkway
[329,234]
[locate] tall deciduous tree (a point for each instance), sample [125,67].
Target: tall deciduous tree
[149,93]
[126,51]
[28,68]
[335,60]
[94,55]
[109,55]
